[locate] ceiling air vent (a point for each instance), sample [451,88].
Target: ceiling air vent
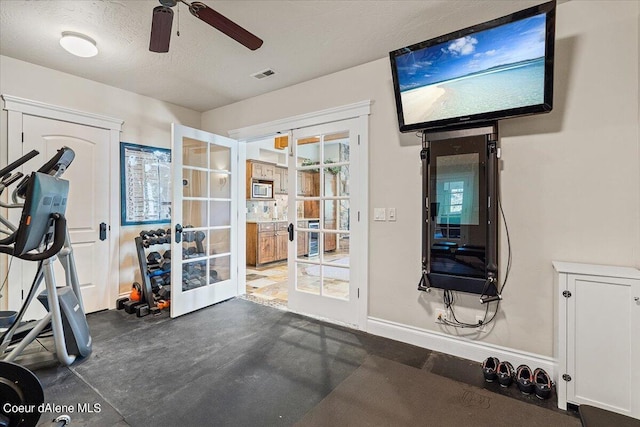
[264,73]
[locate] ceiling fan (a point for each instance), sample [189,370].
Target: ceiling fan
[163,17]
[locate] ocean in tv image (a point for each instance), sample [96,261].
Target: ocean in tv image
[492,70]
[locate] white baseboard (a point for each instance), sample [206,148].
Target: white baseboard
[458,346]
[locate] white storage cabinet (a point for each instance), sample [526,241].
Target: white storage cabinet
[597,345]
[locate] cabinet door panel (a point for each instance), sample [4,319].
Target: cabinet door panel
[599,331]
[282,245]
[266,247]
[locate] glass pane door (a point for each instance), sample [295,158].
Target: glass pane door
[320,261]
[204,220]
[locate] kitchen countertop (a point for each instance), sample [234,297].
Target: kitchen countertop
[256,221]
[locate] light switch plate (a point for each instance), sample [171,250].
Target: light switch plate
[392,214]
[379,214]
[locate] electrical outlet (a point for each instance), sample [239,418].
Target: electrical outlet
[480,318]
[441,315]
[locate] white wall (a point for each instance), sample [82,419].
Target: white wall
[147,121]
[570,186]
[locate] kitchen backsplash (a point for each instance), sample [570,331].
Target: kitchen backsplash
[268,209]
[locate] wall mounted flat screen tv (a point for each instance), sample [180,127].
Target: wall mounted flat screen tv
[494,70]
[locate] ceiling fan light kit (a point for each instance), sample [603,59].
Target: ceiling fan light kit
[78,44]
[163,18]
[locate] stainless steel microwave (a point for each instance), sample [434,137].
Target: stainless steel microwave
[262,189]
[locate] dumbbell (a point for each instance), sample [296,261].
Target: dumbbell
[144,234]
[154,258]
[188,236]
[156,283]
[165,264]
[151,241]
[165,292]
[188,253]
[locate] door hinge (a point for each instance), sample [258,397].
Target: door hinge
[566,377]
[22,136]
[358,216]
[566,294]
[358,139]
[358,292]
[22,294]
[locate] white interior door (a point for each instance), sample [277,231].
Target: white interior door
[204,219]
[88,205]
[323,206]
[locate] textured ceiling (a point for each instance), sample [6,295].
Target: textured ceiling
[205,69]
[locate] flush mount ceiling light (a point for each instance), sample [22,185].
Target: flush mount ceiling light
[78,44]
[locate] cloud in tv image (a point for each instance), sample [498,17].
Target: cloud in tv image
[491,70]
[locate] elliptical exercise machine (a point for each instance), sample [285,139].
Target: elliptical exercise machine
[41,236]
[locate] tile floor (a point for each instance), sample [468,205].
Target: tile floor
[268,284]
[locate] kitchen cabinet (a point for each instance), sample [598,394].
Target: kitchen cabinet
[597,345]
[282,240]
[261,243]
[281,181]
[330,238]
[308,185]
[330,222]
[267,242]
[303,244]
[261,170]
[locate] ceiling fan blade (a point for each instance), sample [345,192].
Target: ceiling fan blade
[225,25]
[161,29]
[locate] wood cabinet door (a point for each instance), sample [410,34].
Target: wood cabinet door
[266,247]
[330,238]
[277,181]
[284,180]
[310,183]
[256,170]
[281,181]
[268,171]
[282,245]
[302,239]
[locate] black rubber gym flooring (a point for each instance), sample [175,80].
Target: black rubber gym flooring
[233,364]
[236,363]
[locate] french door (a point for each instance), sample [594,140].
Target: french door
[204,219]
[323,183]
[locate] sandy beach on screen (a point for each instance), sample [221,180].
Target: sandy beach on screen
[418,104]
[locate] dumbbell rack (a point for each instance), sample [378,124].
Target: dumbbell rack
[147,291]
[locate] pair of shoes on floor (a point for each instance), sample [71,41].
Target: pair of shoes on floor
[527,381]
[493,369]
[537,381]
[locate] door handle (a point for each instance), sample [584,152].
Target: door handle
[178,233]
[290,230]
[103,231]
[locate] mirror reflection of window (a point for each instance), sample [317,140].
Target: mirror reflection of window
[457,187]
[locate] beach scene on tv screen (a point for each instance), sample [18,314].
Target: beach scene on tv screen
[492,70]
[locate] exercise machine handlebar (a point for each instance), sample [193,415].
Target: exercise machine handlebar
[60,235]
[22,160]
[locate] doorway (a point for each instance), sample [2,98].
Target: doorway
[299,240]
[267,200]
